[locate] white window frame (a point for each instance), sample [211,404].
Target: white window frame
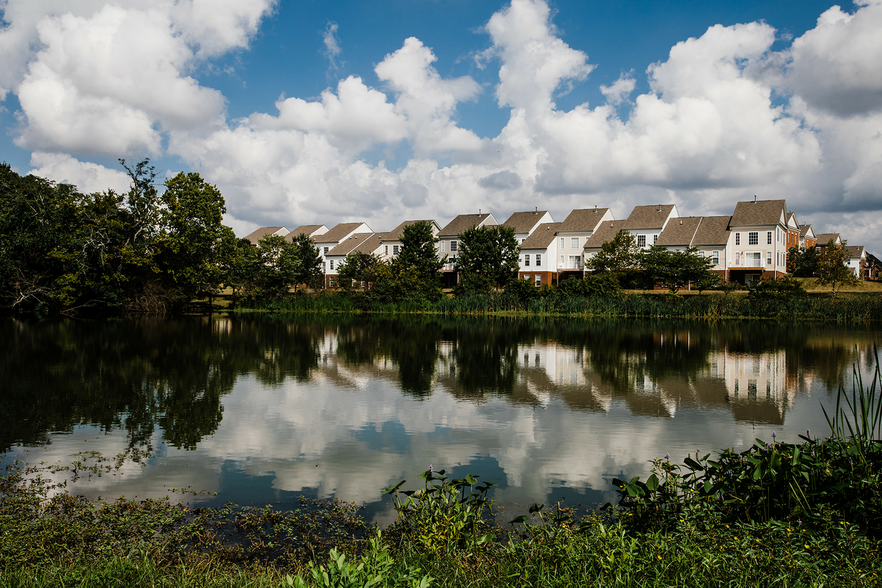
[574,242]
[753,238]
[738,238]
[563,242]
[527,260]
[454,246]
[769,238]
[538,259]
[641,240]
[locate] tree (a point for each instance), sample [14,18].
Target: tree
[417,265]
[618,255]
[192,240]
[675,269]
[309,262]
[276,272]
[833,267]
[802,262]
[488,257]
[359,267]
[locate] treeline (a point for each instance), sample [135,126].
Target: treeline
[144,250]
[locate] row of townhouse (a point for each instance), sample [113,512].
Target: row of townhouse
[749,245]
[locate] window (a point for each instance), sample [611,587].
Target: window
[562,261]
[332,264]
[563,242]
[395,250]
[527,260]
[701,254]
[641,240]
[574,242]
[654,239]
[755,259]
[716,257]
[538,280]
[575,261]
[442,246]
[753,238]
[769,238]
[453,246]
[538,259]
[326,250]
[386,249]
[527,277]
[769,257]
[738,238]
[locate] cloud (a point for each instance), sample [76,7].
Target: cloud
[502,180]
[836,66]
[620,90]
[332,44]
[87,177]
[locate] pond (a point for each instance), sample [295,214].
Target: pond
[259,410]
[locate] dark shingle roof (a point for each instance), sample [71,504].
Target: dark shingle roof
[371,244]
[854,250]
[604,232]
[346,247]
[804,229]
[302,230]
[649,217]
[523,222]
[679,231]
[464,222]
[541,237]
[338,233]
[759,212]
[584,219]
[713,230]
[824,238]
[396,233]
[262,232]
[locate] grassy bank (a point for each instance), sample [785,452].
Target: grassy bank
[845,308]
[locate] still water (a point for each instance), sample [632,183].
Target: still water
[262,410]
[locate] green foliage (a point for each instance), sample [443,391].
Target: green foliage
[361,267]
[308,269]
[833,269]
[445,516]
[859,420]
[803,262]
[675,269]
[488,258]
[785,288]
[603,284]
[419,257]
[617,255]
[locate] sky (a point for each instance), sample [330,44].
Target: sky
[314,112]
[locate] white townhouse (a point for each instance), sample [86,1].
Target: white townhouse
[538,255]
[712,240]
[311,231]
[857,260]
[358,243]
[679,233]
[449,240]
[392,240]
[330,239]
[257,235]
[572,236]
[524,223]
[758,240]
[647,222]
[605,231]
[807,237]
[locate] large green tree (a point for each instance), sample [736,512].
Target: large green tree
[415,269]
[619,254]
[360,267]
[489,257]
[802,262]
[308,270]
[833,267]
[675,269]
[193,244]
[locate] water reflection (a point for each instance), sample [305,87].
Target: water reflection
[344,405]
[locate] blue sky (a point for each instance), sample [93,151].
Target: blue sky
[322,112]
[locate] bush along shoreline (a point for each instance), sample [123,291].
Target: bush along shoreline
[851,308]
[779,514]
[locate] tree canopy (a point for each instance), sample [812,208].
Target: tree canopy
[833,267]
[489,257]
[616,255]
[675,269]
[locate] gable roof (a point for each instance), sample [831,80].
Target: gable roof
[464,222]
[792,223]
[824,238]
[262,232]
[308,230]
[396,233]
[542,237]
[759,212]
[524,222]
[338,233]
[713,230]
[604,232]
[804,230]
[854,250]
[371,244]
[583,219]
[346,247]
[679,233]
[649,217]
